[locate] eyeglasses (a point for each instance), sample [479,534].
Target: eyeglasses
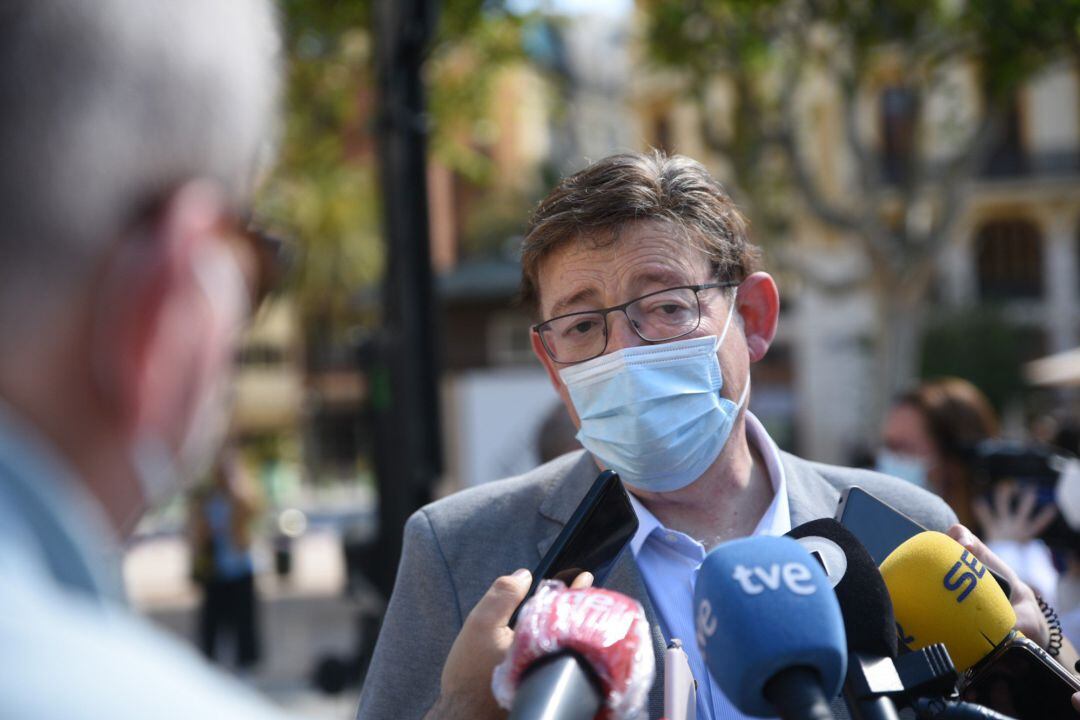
[657,317]
[266,258]
[271,257]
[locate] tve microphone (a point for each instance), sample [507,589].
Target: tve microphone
[941,593]
[868,617]
[577,655]
[769,628]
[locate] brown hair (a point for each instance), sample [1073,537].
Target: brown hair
[595,203]
[958,416]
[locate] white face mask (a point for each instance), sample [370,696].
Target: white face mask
[654,413]
[161,472]
[1067,494]
[905,467]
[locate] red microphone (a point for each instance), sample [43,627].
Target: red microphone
[577,655]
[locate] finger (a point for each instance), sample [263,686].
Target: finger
[983,554]
[1026,504]
[499,602]
[1042,520]
[1076,702]
[582,581]
[983,513]
[1002,495]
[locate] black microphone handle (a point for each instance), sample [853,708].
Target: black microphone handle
[867,685]
[560,687]
[939,709]
[796,694]
[878,708]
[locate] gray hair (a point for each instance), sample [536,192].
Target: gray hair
[105,106]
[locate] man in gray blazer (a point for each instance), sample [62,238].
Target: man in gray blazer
[651,308]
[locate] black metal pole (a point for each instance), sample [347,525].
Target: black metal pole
[408,452]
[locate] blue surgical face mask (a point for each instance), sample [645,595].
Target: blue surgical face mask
[904,467]
[654,413]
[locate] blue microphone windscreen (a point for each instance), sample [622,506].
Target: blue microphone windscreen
[763,604]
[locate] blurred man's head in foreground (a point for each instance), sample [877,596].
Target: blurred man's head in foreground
[131,140]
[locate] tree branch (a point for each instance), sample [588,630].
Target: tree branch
[954,186]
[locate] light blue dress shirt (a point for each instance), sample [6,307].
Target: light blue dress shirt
[69,649]
[669,561]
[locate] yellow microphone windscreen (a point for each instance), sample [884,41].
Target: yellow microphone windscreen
[942,594]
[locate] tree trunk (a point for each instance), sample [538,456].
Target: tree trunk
[899,346]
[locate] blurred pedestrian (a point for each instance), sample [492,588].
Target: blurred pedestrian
[223,515]
[131,136]
[929,438]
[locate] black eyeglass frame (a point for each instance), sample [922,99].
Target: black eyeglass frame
[537,328]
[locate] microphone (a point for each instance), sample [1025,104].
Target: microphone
[941,593]
[867,613]
[577,655]
[769,628]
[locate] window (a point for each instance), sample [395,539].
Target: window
[1008,255]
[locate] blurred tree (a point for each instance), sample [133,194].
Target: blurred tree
[980,345]
[324,190]
[901,206]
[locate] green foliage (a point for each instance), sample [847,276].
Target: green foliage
[766,51]
[472,48]
[324,189]
[979,345]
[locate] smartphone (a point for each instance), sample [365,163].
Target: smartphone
[1020,679]
[881,528]
[597,532]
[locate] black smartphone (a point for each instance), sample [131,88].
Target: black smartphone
[1033,466]
[881,528]
[597,532]
[1020,679]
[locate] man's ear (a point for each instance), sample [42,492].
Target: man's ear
[145,303]
[758,303]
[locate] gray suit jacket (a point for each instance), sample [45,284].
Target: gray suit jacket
[456,547]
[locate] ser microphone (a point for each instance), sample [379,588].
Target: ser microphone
[942,594]
[769,628]
[577,655]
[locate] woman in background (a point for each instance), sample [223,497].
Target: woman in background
[929,438]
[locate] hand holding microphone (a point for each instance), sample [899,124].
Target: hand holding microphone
[465,689]
[577,654]
[942,592]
